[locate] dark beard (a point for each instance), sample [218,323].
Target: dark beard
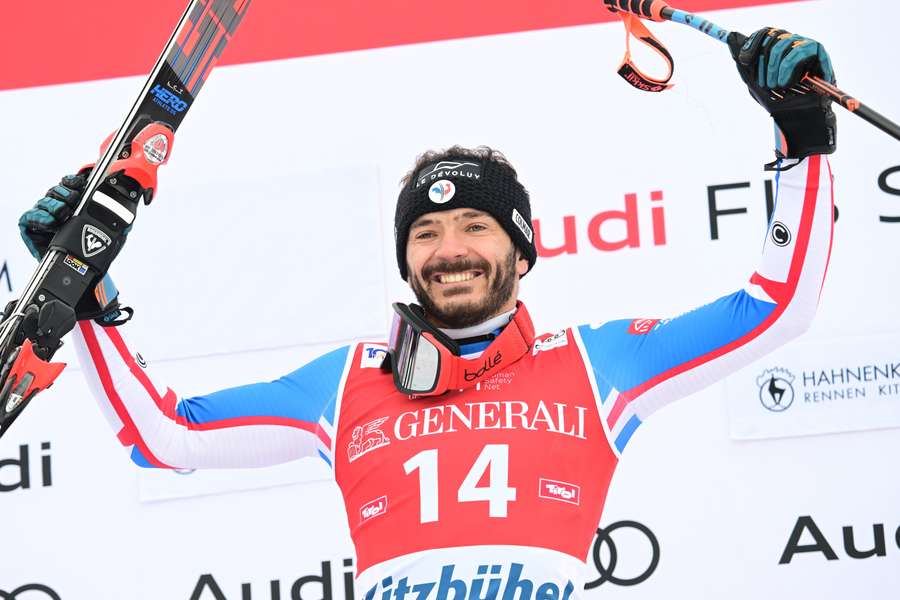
[466,314]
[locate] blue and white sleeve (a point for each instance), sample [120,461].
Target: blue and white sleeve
[249,426]
[641,365]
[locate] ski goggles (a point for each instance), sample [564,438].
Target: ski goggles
[427,362]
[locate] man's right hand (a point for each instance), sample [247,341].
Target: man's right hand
[39,224]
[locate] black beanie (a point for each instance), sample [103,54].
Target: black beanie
[466,182]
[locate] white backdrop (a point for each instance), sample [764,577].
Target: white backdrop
[271,241]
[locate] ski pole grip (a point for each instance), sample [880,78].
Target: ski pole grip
[645,9]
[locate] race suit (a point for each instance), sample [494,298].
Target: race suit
[494,491]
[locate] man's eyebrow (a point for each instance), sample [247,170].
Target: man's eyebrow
[422,223]
[469,214]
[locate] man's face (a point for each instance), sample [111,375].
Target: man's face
[463,267]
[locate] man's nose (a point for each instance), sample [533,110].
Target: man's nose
[452,246]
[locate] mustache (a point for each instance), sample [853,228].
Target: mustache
[461,266]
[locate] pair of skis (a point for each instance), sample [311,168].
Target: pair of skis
[124,175]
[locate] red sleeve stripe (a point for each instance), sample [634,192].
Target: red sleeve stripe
[168,403]
[800,250]
[831,240]
[90,338]
[779,292]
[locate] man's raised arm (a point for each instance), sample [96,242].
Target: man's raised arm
[642,364]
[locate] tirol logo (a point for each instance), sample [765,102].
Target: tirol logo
[442,192]
[366,438]
[775,390]
[559,490]
[642,326]
[624,568]
[168,100]
[449,168]
[30,591]
[372,509]
[781,235]
[93,241]
[156,149]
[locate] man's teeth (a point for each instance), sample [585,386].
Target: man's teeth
[457,277]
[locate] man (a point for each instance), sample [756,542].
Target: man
[474,462]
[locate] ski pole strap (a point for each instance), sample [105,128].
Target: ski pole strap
[629,71]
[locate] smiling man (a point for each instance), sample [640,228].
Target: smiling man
[458,287]
[474,457]
[461,263]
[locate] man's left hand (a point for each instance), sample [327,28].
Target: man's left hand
[772,62]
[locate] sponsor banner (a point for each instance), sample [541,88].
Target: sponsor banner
[817,387]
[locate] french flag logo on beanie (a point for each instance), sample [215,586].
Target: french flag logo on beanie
[442,192]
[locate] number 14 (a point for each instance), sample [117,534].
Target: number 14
[497,493]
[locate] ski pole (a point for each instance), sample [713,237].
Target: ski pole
[658,10]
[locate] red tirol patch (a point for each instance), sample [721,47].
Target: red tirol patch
[372,509]
[559,490]
[642,326]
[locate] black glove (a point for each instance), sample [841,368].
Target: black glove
[772,62]
[37,227]
[39,224]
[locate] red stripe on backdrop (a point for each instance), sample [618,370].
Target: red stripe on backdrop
[60,41]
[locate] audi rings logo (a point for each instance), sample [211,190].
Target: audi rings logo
[639,564]
[30,591]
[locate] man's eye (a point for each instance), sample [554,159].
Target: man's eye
[424,235]
[476,227]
